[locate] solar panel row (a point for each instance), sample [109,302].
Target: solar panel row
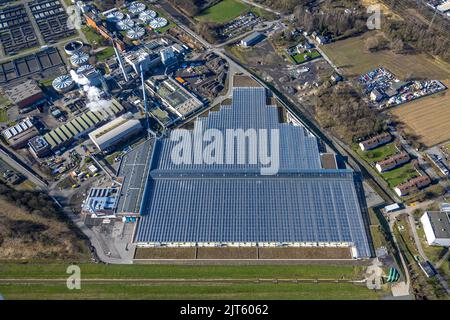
[234,203]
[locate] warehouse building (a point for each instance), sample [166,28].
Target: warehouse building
[436,226]
[252,39]
[18,135]
[26,95]
[81,125]
[101,201]
[115,132]
[39,147]
[236,205]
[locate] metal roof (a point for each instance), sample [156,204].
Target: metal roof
[134,169]
[236,203]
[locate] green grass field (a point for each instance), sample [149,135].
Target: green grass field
[300,57]
[105,54]
[3,115]
[92,36]
[223,12]
[195,290]
[93,271]
[400,175]
[377,154]
[323,291]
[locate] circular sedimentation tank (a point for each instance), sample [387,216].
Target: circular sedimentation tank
[63,83]
[136,33]
[125,24]
[147,16]
[115,16]
[136,7]
[79,58]
[85,68]
[158,23]
[72,47]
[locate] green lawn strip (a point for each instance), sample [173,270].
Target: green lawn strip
[223,12]
[91,35]
[318,291]
[93,271]
[105,54]
[399,175]
[3,115]
[267,15]
[46,82]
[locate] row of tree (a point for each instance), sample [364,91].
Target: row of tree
[340,109]
[331,21]
[416,34]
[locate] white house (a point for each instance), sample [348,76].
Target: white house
[436,226]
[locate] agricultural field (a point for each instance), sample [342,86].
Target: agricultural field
[124,287]
[427,118]
[350,55]
[224,11]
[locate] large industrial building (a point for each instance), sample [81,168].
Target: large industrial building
[115,132]
[81,125]
[26,94]
[436,225]
[19,134]
[192,204]
[174,96]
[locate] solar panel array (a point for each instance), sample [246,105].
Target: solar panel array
[226,203]
[297,148]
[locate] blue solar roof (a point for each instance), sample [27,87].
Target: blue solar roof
[235,203]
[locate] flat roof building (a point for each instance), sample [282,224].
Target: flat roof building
[19,134]
[436,226]
[115,131]
[26,94]
[241,203]
[176,97]
[252,39]
[81,125]
[101,201]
